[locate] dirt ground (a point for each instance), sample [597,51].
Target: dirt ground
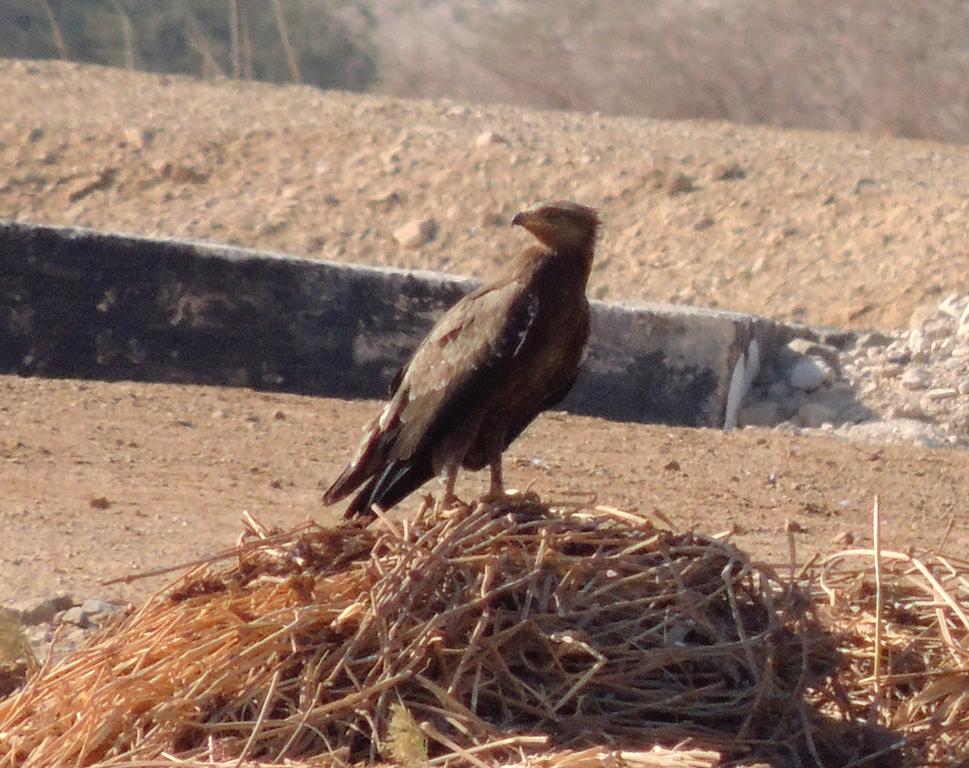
[102,480]
[98,480]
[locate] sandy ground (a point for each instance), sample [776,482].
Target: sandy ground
[826,228]
[102,480]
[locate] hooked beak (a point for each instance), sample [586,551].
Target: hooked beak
[521,219]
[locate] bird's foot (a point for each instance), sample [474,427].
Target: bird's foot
[505,496]
[447,503]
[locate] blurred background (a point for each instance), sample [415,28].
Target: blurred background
[893,67]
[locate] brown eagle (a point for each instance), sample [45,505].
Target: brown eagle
[491,364]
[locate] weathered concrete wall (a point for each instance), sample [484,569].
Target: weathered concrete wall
[79,303]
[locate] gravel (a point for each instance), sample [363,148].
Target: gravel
[908,386]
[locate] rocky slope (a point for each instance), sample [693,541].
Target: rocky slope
[826,229]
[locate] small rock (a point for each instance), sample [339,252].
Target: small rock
[837,338]
[873,340]
[678,183]
[416,233]
[891,370]
[941,393]
[907,409]
[385,201]
[935,331]
[917,378]
[808,374]
[44,611]
[77,616]
[808,348]
[917,342]
[86,186]
[953,305]
[814,415]
[727,172]
[95,606]
[488,138]
[162,167]
[964,388]
[99,502]
[183,173]
[140,138]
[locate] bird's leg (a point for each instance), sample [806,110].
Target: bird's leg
[497,488]
[496,491]
[450,479]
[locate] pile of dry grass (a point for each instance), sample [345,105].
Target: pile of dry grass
[904,634]
[509,633]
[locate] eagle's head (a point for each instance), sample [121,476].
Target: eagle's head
[562,225]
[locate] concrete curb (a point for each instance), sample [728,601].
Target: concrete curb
[86,304]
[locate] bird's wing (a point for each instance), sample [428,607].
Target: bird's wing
[458,365]
[461,362]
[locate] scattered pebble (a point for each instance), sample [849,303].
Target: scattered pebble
[916,378]
[678,183]
[489,138]
[808,374]
[416,233]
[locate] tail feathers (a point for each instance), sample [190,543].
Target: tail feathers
[396,481]
[345,484]
[365,463]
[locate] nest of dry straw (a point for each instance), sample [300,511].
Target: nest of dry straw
[502,633]
[903,626]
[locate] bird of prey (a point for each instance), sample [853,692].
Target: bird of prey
[492,363]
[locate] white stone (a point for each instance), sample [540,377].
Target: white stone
[916,378]
[908,409]
[941,393]
[936,331]
[917,341]
[891,370]
[953,305]
[488,138]
[808,374]
[416,233]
